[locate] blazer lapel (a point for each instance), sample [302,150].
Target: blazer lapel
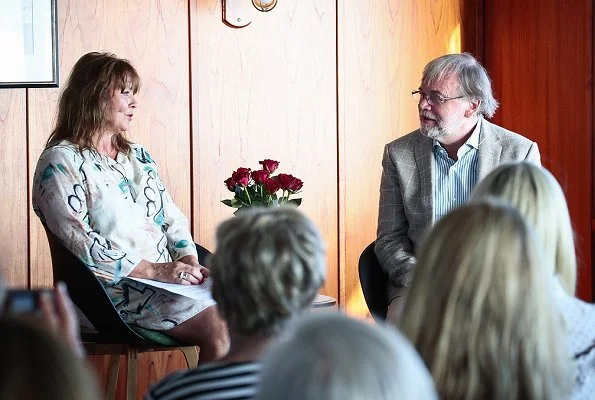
[423,158]
[489,151]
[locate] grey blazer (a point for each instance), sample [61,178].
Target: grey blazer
[406,198]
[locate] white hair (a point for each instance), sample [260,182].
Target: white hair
[473,78]
[269,265]
[332,357]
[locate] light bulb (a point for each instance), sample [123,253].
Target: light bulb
[264,5]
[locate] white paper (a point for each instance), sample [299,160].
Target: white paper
[198,292]
[203,291]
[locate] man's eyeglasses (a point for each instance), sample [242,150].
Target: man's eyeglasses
[432,97]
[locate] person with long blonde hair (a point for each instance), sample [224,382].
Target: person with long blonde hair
[535,192]
[480,311]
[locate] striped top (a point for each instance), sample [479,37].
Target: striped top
[454,180]
[213,381]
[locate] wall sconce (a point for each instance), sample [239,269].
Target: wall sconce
[237,13]
[264,5]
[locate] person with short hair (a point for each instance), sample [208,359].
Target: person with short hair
[537,195]
[102,196]
[480,312]
[268,267]
[333,357]
[432,170]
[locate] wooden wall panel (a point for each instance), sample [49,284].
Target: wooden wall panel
[383,47]
[13,181]
[153,35]
[266,91]
[539,54]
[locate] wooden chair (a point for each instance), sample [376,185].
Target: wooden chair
[373,281]
[113,337]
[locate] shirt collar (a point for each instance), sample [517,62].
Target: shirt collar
[473,140]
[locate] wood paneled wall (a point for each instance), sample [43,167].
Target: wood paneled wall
[266,91]
[14,242]
[320,85]
[541,60]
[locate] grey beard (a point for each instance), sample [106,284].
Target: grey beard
[434,132]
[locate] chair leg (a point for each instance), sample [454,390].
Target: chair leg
[112,376]
[132,372]
[191,356]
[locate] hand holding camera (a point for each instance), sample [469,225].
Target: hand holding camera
[53,308]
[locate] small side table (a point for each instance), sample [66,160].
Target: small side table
[321,302]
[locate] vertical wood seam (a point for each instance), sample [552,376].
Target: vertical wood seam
[191,122]
[341,237]
[28,189]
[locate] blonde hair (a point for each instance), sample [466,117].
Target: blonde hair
[539,198]
[479,310]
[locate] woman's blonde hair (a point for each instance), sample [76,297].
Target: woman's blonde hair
[539,198]
[83,105]
[479,310]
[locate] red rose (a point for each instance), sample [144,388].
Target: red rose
[269,165]
[231,184]
[272,185]
[260,176]
[290,182]
[241,176]
[296,185]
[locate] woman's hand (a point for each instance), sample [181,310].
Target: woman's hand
[192,260]
[172,272]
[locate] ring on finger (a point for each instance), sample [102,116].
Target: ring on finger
[183,275]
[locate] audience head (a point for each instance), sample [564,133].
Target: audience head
[268,267]
[37,365]
[539,198]
[332,357]
[474,82]
[84,106]
[480,312]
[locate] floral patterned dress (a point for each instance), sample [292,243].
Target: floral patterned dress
[112,214]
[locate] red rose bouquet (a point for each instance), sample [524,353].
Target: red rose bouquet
[259,188]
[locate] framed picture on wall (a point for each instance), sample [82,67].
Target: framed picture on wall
[29,43]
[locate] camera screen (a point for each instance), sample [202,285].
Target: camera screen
[22,301]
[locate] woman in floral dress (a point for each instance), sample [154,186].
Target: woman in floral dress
[102,196]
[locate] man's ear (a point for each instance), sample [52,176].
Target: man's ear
[473,107]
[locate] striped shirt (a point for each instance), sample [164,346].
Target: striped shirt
[454,180]
[213,381]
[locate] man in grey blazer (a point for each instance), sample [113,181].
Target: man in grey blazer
[432,170]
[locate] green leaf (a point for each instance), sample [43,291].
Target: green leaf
[252,191]
[235,203]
